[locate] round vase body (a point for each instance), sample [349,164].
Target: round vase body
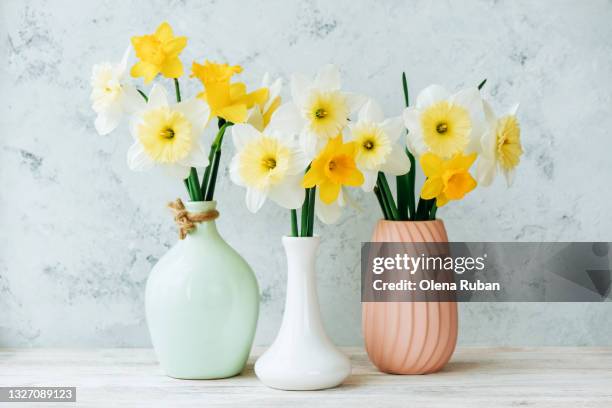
[410,337]
[202,304]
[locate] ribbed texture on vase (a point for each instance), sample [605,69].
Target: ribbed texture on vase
[410,337]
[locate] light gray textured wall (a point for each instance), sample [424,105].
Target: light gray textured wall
[79,232]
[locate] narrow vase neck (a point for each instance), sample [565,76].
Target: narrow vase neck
[302,312]
[205,228]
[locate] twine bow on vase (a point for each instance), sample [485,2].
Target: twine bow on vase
[186,221]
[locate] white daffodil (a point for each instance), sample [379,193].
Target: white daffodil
[445,124]
[268,165]
[169,136]
[112,95]
[375,139]
[319,110]
[501,146]
[260,115]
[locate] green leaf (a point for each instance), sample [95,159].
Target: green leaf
[482,84]
[388,196]
[294,226]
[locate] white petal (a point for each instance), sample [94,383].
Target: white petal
[197,112]
[122,66]
[327,213]
[513,110]
[300,88]
[309,143]
[286,120]
[158,97]
[289,194]
[489,113]
[255,118]
[137,159]
[328,78]
[354,101]
[107,121]
[234,170]
[485,171]
[471,100]
[393,127]
[196,158]
[369,181]
[431,95]
[371,112]
[509,176]
[397,162]
[254,199]
[412,119]
[242,134]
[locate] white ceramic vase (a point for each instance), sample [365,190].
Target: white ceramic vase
[302,356]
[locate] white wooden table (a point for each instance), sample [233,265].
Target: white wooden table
[476,377]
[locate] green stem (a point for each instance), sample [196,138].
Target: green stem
[209,180]
[432,213]
[294,226]
[311,209]
[386,192]
[411,177]
[411,182]
[194,185]
[177,90]
[305,212]
[144,95]
[381,202]
[480,85]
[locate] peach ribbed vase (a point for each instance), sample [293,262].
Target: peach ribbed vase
[410,337]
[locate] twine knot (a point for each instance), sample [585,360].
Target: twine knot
[185,220]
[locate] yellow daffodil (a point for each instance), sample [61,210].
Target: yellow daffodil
[333,168]
[226,100]
[261,114]
[267,165]
[501,146]
[158,53]
[169,135]
[447,179]
[319,110]
[445,124]
[375,140]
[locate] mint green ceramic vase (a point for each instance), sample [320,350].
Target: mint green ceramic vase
[202,303]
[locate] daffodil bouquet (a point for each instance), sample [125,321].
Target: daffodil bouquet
[306,153]
[169,134]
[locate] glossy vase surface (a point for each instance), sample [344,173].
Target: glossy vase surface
[202,304]
[302,356]
[410,337]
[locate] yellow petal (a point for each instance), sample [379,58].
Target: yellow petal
[233,113]
[354,178]
[268,114]
[441,200]
[313,176]
[172,68]
[329,192]
[431,164]
[174,47]
[258,97]
[348,149]
[237,91]
[464,162]
[432,188]
[164,32]
[144,69]
[458,185]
